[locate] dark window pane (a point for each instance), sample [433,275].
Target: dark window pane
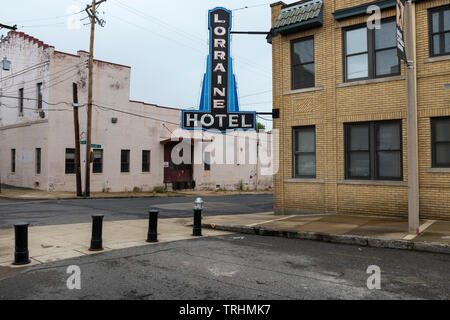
[207,161]
[447,43]
[146,161]
[359,164]
[39,98]
[356,41]
[442,130]
[303,51]
[305,140]
[443,153]
[386,36]
[436,44]
[389,164]
[97,166]
[447,20]
[38,161]
[303,76]
[387,62]
[305,165]
[388,136]
[435,18]
[358,66]
[13,160]
[70,161]
[359,138]
[125,161]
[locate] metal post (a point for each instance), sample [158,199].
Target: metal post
[97,226]
[21,255]
[411,120]
[152,235]
[197,232]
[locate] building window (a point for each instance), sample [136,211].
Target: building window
[439,31]
[146,160]
[125,161]
[207,161]
[440,138]
[38,160]
[302,63]
[304,145]
[371,53]
[374,150]
[20,102]
[39,95]
[13,160]
[70,161]
[97,164]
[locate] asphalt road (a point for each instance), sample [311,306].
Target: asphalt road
[54,212]
[237,267]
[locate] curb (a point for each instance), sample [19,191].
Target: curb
[91,198]
[333,238]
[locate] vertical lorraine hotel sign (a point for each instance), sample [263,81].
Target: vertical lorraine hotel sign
[219,106]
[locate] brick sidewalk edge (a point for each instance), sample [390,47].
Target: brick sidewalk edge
[332,238]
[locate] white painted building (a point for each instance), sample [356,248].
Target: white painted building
[37,138]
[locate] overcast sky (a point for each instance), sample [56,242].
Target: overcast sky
[165,43]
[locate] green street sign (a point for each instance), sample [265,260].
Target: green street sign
[95,146]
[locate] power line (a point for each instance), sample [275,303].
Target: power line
[103,108]
[34,109]
[194,38]
[255,94]
[34,99]
[50,83]
[250,7]
[18,73]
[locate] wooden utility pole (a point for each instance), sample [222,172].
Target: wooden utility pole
[77,140]
[411,119]
[91,12]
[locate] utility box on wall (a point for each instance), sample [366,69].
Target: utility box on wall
[6,64]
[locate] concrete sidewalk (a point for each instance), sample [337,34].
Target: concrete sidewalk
[382,232]
[59,242]
[32,194]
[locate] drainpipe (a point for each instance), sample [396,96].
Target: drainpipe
[411,119]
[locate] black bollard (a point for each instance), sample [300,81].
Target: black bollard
[21,256]
[197,222]
[97,225]
[152,235]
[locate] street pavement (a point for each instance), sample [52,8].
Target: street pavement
[236,267]
[55,212]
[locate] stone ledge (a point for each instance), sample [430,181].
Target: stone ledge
[437,59]
[438,170]
[370,81]
[374,183]
[333,238]
[302,90]
[304,180]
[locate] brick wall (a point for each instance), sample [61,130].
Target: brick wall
[333,102]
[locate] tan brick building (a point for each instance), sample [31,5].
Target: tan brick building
[341,93]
